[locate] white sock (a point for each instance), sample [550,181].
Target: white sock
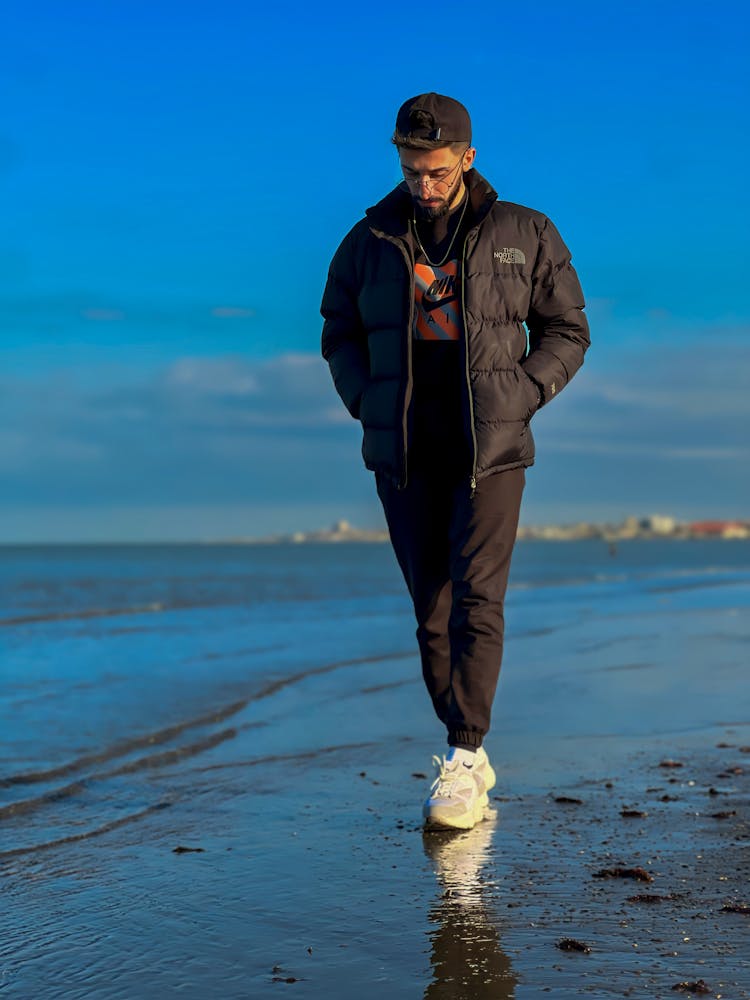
[462,755]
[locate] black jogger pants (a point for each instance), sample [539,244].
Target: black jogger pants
[455,551]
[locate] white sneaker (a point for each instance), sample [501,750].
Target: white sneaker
[455,798]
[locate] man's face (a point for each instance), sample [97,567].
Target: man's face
[435,178]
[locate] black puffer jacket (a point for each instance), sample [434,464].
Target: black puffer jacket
[516,269]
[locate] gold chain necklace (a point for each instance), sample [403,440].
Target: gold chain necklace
[450,245]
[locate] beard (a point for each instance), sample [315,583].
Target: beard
[429,213]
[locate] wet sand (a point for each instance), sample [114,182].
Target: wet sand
[279,850]
[319,877]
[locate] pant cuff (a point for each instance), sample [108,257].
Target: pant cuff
[466,739]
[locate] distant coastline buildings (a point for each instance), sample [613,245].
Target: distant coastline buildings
[652,526]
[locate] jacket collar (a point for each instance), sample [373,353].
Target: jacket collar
[391,215]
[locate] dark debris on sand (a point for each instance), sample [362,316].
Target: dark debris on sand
[568,800]
[640,874]
[698,986]
[736,908]
[650,897]
[690,853]
[188,850]
[571,944]
[277,978]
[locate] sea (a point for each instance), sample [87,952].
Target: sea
[110,653]
[146,690]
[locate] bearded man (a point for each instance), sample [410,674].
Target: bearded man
[450,318]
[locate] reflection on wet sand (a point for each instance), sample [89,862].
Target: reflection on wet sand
[467,960]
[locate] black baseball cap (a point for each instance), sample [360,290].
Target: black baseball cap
[433,117]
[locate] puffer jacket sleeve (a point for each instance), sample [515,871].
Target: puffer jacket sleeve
[558,329]
[344,341]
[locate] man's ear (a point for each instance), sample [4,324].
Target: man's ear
[468,160]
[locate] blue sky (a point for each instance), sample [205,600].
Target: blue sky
[177,176]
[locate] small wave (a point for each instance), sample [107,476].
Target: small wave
[278,685]
[87,835]
[674,588]
[280,758]
[618,667]
[377,688]
[700,575]
[233,654]
[126,747]
[121,749]
[164,759]
[616,640]
[84,613]
[533,633]
[303,755]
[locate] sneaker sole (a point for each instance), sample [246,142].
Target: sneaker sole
[464,822]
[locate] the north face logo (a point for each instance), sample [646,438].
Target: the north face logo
[509,255]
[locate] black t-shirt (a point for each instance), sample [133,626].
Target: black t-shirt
[438,435]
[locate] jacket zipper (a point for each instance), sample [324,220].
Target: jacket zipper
[473,480]
[409,371]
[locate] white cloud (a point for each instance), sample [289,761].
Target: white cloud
[205,428]
[211,376]
[615,448]
[295,375]
[25,448]
[232,429]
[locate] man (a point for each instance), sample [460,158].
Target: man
[424,314]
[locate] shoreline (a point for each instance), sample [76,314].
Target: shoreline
[378,538]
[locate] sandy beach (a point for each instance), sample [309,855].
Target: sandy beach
[250,826]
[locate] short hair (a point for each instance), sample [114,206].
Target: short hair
[409,142]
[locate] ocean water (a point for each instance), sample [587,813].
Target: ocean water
[120,662]
[235,697]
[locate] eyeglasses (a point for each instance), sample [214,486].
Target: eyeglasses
[433,179]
